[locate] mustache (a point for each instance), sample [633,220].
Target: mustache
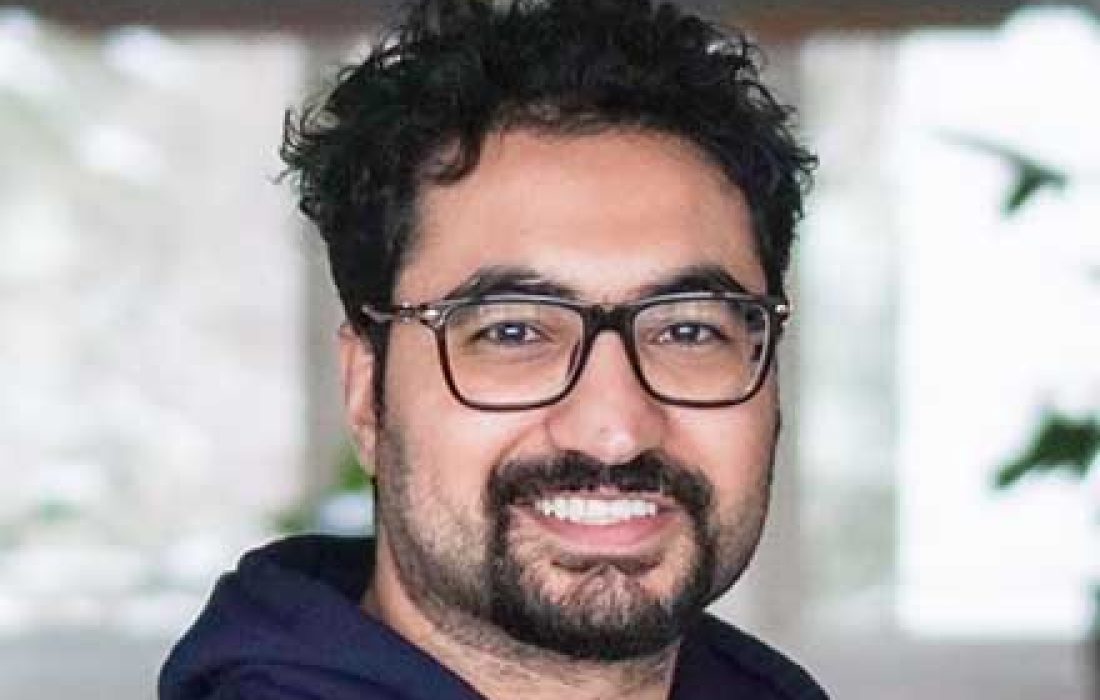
[520,482]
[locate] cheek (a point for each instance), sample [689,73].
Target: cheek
[733,447]
[451,448]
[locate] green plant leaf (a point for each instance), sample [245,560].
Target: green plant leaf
[350,478]
[350,475]
[1062,443]
[1030,175]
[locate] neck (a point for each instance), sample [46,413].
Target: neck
[501,668]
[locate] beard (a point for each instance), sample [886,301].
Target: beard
[503,578]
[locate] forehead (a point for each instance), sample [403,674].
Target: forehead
[603,214]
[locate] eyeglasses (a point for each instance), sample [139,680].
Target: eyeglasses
[514,351]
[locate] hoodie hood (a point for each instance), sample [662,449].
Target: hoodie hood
[286,625]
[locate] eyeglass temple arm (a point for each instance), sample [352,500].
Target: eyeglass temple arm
[403,313]
[784,310]
[377,315]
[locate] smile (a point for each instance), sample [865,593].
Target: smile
[595,511]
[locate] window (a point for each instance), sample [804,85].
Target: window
[933,330]
[152,311]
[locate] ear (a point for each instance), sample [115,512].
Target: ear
[357,373]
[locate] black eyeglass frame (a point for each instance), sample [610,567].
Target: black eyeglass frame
[595,318]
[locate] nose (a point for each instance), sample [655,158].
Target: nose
[608,415]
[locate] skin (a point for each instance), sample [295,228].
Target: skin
[606,215]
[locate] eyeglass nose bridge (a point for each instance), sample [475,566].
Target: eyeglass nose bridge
[617,319]
[607,317]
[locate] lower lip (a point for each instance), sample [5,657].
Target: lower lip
[627,537]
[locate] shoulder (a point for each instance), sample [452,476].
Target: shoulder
[718,657]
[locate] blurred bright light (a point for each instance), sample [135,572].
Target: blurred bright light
[147,55]
[25,67]
[117,151]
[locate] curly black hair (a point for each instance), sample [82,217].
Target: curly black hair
[419,107]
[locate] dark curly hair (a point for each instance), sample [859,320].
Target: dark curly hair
[419,107]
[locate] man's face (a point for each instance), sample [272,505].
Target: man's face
[656,508]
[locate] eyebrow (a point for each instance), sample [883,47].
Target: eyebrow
[510,279]
[703,277]
[520,279]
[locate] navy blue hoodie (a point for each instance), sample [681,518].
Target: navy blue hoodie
[286,626]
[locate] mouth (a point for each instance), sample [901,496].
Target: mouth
[586,510]
[605,522]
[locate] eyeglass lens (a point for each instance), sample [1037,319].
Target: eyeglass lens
[517,352]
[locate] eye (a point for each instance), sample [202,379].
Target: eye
[686,333]
[509,333]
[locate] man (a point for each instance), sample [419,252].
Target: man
[559,230]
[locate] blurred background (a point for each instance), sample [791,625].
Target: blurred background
[168,396]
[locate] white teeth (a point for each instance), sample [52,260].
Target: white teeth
[595,511]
